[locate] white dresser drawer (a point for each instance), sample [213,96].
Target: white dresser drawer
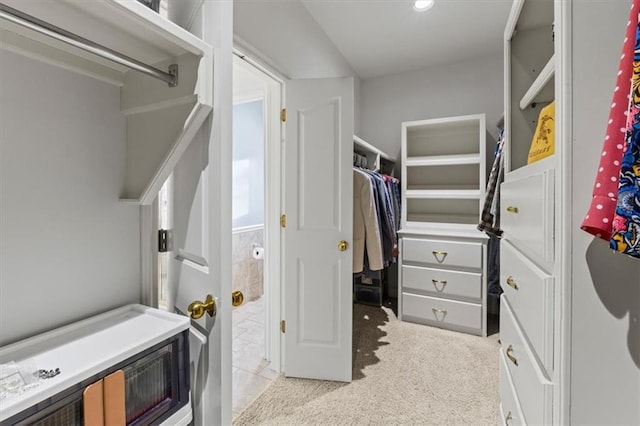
[533,388]
[441,282]
[527,219]
[530,293]
[441,312]
[510,411]
[442,253]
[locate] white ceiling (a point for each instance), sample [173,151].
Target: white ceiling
[380,37]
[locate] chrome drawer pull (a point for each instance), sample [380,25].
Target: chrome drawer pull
[437,253]
[513,209]
[439,311]
[512,358]
[436,282]
[512,283]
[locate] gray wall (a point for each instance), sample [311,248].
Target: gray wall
[289,39]
[470,87]
[68,247]
[605,367]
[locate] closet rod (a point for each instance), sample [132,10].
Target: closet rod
[27,21]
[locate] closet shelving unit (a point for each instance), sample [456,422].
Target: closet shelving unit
[529,325]
[84,37]
[377,160]
[442,279]
[443,171]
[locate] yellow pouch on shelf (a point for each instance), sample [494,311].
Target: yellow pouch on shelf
[543,142]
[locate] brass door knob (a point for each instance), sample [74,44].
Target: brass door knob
[197,308]
[237,298]
[343,245]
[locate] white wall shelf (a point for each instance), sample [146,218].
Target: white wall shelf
[161,120]
[443,160]
[444,194]
[376,159]
[541,91]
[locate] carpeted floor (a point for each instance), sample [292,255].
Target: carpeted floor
[403,374]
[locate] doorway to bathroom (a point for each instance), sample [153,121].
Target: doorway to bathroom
[256,231]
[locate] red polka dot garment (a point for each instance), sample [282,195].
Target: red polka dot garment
[599,218]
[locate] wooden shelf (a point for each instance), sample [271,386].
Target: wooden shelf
[541,91]
[443,160]
[161,120]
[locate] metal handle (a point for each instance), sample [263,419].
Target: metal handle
[436,282]
[439,311]
[437,253]
[237,298]
[512,283]
[197,308]
[513,209]
[509,353]
[343,245]
[508,419]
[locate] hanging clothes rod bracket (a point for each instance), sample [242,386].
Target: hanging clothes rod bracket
[32,23]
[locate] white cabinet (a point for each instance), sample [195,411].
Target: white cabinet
[528,262]
[442,274]
[161,118]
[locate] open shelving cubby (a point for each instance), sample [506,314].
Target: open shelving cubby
[443,169]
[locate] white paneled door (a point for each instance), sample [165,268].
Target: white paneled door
[318,180]
[195,275]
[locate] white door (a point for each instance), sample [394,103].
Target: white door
[319,213]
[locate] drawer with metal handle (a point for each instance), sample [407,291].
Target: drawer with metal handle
[530,293]
[442,282]
[510,410]
[442,253]
[532,386]
[444,313]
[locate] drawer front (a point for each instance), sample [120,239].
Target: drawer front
[530,292]
[527,216]
[441,312]
[510,411]
[442,253]
[442,282]
[532,388]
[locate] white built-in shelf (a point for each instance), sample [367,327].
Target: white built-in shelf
[161,120]
[444,194]
[528,14]
[377,160]
[457,219]
[86,348]
[443,160]
[541,91]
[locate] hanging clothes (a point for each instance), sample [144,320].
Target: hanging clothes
[489,222]
[626,222]
[366,229]
[375,221]
[599,219]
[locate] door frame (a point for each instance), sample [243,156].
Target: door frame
[273,131]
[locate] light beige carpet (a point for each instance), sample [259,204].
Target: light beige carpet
[403,373]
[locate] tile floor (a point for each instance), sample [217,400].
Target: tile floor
[251,372]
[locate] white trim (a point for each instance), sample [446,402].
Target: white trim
[274,199]
[250,228]
[148,255]
[564,203]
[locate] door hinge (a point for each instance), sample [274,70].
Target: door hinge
[163,240]
[283,221]
[283,115]
[283,326]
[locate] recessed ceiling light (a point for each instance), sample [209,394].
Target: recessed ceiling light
[422,5]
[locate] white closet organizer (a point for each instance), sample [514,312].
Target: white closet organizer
[442,277]
[161,118]
[528,263]
[377,161]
